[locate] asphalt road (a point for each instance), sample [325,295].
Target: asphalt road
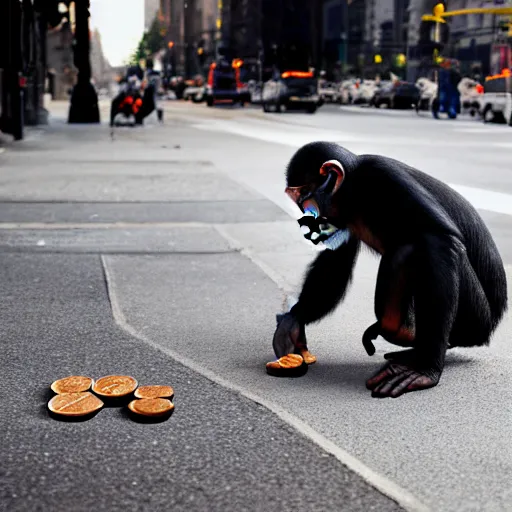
[71,196]
[200,250]
[450,446]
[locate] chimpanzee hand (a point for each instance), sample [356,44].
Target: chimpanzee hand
[290,335]
[401,376]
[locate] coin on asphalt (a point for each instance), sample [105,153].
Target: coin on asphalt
[154,392]
[75,404]
[115,386]
[73,384]
[308,357]
[291,365]
[151,406]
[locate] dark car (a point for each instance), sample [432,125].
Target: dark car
[294,90]
[397,95]
[223,85]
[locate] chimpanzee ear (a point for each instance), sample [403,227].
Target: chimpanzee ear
[333,167]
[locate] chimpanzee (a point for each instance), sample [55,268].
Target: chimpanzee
[441,281]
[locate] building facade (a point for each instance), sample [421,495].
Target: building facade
[151,8]
[101,69]
[61,70]
[471,37]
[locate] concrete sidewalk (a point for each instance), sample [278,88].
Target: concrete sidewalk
[80,214]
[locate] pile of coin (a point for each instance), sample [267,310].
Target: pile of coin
[152,401]
[82,397]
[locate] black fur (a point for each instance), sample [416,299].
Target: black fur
[459,290]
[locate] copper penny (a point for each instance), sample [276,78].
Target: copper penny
[115,386]
[73,384]
[151,406]
[308,357]
[154,392]
[291,365]
[75,404]
[290,361]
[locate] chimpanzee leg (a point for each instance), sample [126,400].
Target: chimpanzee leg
[473,325]
[393,301]
[436,295]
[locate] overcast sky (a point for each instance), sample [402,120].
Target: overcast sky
[121,24]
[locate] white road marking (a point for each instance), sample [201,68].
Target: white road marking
[482,199]
[36,226]
[292,136]
[287,136]
[379,482]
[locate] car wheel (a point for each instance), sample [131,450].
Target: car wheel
[266,108]
[209,102]
[488,114]
[311,109]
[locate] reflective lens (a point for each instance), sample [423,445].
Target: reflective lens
[309,206]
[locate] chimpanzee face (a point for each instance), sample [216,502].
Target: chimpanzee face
[317,199]
[315,203]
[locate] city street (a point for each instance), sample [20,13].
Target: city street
[164,252]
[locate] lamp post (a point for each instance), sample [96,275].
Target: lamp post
[84,100]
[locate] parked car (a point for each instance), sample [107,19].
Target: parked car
[329,92]
[428,93]
[223,86]
[471,93]
[363,92]
[196,90]
[293,90]
[496,102]
[398,94]
[347,91]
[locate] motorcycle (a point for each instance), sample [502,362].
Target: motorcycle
[128,104]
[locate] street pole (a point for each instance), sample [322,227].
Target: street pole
[84,100]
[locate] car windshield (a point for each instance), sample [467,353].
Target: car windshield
[299,82]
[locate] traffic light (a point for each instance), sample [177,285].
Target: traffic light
[170,45]
[201,54]
[400,60]
[438,10]
[427,41]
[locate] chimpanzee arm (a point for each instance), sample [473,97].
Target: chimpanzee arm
[324,287]
[326,282]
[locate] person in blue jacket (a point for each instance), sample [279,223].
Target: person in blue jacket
[448,95]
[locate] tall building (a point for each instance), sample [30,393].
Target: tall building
[173,18]
[347,26]
[241,26]
[60,62]
[151,8]
[100,67]
[283,32]
[471,36]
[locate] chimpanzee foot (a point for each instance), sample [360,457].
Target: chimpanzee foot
[394,379]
